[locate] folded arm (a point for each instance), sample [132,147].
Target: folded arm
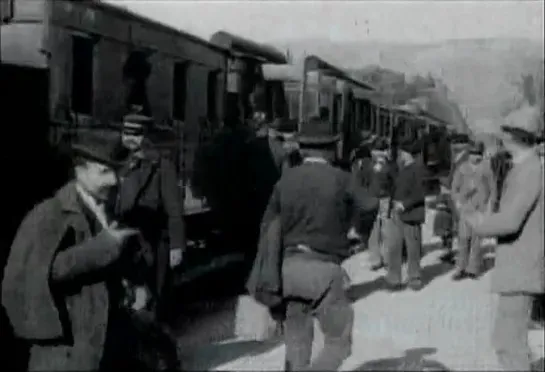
[520,198]
[417,195]
[93,254]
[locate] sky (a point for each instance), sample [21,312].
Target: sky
[410,21]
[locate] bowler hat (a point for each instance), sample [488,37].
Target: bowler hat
[526,119]
[477,148]
[134,122]
[381,144]
[316,134]
[101,145]
[411,146]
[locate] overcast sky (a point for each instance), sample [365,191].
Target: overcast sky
[402,20]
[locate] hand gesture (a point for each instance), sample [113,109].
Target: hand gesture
[176,256]
[398,206]
[121,234]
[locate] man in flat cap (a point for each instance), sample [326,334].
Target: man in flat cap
[62,284]
[404,224]
[519,271]
[150,199]
[315,203]
[472,190]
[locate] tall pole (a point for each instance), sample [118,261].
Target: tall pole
[302,96]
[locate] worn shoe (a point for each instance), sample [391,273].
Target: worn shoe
[448,257]
[459,275]
[416,284]
[393,286]
[376,266]
[472,276]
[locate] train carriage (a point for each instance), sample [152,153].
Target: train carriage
[69,64]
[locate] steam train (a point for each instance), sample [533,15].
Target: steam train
[75,64]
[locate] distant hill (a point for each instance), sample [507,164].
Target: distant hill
[479,73]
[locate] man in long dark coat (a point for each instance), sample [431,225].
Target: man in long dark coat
[315,203]
[404,225]
[62,283]
[150,199]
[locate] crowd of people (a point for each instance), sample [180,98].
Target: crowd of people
[85,280]
[304,242]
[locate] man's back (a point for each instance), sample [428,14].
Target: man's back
[316,207]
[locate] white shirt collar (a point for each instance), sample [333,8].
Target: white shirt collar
[96,208]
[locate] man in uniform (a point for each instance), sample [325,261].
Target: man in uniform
[519,269]
[315,203]
[62,281]
[150,199]
[404,224]
[472,190]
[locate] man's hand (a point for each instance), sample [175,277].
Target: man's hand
[176,256]
[121,234]
[398,206]
[473,219]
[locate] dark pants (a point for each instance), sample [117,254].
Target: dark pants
[397,233]
[316,289]
[510,335]
[470,256]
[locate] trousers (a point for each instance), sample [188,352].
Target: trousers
[377,252]
[510,334]
[397,233]
[316,290]
[470,255]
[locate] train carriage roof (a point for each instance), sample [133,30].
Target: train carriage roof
[240,45]
[315,63]
[282,72]
[130,15]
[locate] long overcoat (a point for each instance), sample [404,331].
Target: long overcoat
[149,199]
[67,329]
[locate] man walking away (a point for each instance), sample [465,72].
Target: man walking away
[315,202]
[519,271]
[404,225]
[472,189]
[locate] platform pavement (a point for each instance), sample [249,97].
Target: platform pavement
[445,326]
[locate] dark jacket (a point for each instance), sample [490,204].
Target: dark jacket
[316,203]
[54,289]
[150,199]
[409,189]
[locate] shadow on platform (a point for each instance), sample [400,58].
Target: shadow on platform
[212,356]
[413,360]
[538,365]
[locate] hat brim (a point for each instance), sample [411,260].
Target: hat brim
[316,141]
[85,153]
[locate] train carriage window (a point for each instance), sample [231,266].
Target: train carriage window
[82,74]
[136,72]
[212,95]
[179,95]
[6,10]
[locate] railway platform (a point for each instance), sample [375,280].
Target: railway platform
[445,326]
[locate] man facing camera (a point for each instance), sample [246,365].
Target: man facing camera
[404,225]
[62,284]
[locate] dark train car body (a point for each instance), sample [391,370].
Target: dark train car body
[73,64]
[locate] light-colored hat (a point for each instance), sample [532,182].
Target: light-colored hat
[527,118]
